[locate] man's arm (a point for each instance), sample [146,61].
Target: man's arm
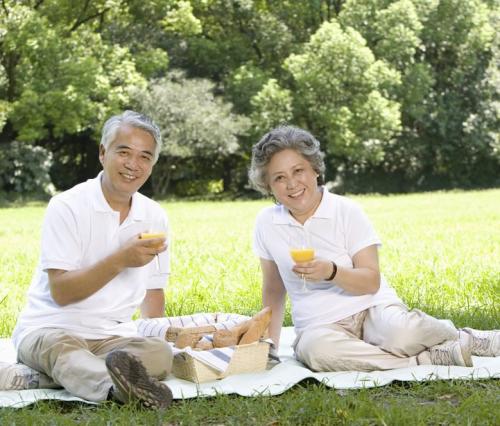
[153,305]
[273,295]
[72,286]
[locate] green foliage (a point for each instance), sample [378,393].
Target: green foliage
[235,33]
[59,80]
[196,125]
[242,84]
[25,169]
[403,94]
[181,19]
[341,93]
[271,106]
[151,62]
[446,53]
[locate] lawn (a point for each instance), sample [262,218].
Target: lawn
[441,252]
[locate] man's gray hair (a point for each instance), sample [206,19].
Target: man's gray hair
[133,119]
[279,139]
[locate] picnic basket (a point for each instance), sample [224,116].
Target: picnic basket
[249,358]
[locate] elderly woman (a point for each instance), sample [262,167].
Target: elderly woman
[346,316]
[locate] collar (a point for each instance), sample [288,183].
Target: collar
[137,211]
[282,216]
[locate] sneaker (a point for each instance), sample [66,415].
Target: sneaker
[484,343]
[132,382]
[451,352]
[18,377]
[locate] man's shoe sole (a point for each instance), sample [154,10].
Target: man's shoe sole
[133,382]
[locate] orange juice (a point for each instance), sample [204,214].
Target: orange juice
[148,235]
[302,255]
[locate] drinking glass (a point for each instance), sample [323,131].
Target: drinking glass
[301,249]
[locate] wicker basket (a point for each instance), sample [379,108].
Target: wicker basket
[246,359]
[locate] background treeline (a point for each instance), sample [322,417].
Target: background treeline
[403,95]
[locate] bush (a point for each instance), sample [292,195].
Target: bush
[206,187]
[25,169]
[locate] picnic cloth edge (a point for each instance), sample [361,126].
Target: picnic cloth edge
[275,381]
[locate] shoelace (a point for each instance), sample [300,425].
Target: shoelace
[480,345]
[20,382]
[442,356]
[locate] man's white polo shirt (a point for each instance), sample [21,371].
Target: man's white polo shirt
[80,229]
[337,231]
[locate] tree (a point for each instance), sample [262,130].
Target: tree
[199,129]
[271,106]
[342,94]
[65,67]
[444,51]
[58,76]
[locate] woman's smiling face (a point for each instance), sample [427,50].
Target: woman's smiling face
[293,183]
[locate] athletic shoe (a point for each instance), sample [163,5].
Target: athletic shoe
[132,382]
[484,343]
[451,352]
[18,377]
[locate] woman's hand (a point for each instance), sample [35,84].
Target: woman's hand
[315,270]
[363,278]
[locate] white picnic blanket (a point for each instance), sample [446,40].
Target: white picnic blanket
[274,381]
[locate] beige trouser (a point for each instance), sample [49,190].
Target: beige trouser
[78,364]
[380,338]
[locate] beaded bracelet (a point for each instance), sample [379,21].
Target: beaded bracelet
[331,277]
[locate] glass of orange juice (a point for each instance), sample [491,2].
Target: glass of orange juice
[301,251]
[148,235]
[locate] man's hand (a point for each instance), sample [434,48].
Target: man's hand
[139,252]
[72,286]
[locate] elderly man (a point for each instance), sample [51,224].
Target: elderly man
[95,271]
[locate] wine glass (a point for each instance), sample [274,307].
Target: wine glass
[148,235]
[301,249]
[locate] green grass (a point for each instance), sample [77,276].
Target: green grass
[441,252]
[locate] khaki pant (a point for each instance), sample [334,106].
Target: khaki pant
[380,338]
[78,364]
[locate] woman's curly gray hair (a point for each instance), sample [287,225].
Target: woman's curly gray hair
[279,139]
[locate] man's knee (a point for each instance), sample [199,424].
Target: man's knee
[157,356]
[43,349]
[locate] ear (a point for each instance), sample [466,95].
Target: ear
[102,151]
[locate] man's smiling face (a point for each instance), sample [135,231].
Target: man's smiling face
[127,162]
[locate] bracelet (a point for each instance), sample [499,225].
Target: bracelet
[334,272]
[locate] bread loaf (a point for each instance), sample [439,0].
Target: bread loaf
[258,325]
[185,339]
[230,337]
[248,332]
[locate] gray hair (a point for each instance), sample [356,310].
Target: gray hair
[133,119]
[279,139]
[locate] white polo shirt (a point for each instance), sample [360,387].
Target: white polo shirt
[337,231]
[80,229]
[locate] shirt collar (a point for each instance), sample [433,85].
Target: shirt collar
[137,211]
[282,215]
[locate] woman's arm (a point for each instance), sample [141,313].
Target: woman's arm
[273,295]
[363,278]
